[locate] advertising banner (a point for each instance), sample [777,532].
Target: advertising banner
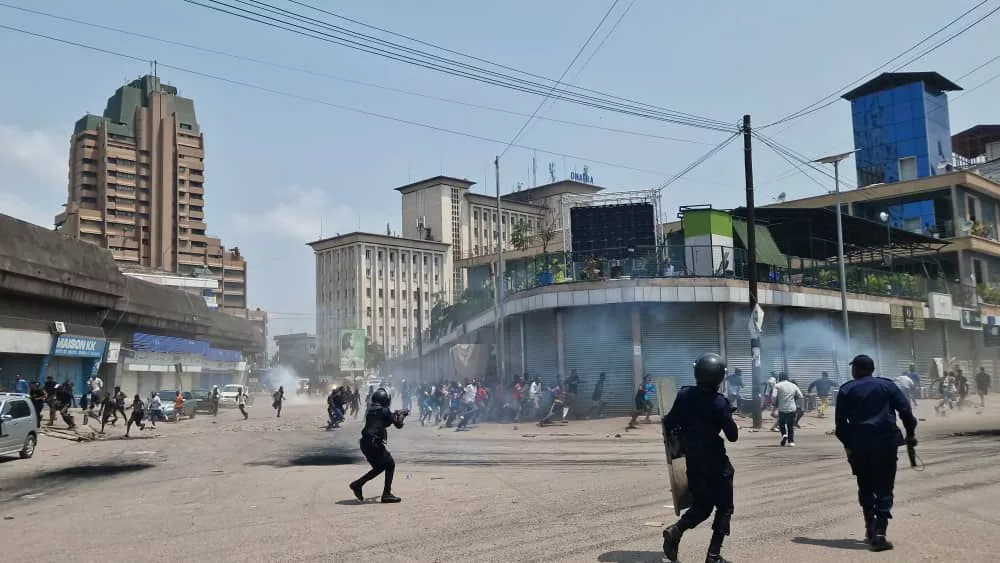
[352,349]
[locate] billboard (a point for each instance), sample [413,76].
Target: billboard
[352,349]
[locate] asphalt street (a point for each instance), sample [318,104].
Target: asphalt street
[269,489]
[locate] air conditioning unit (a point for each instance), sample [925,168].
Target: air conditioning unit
[421,223]
[58,327]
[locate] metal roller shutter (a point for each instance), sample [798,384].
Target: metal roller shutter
[674,335]
[863,341]
[12,365]
[738,354]
[927,344]
[599,339]
[962,347]
[541,354]
[894,354]
[512,331]
[810,345]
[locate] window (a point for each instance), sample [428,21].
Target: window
[380,294]
[381,312]
[392,311]
[368,254]
[973,210]
[379,255]
[979,271]
[368,330]
[368,312]
[392,294]
[908,168]
[368,292]
[185,126]
[18,409]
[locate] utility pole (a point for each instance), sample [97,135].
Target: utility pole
[752,272]
[501,361]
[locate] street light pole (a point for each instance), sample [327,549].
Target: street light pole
[835,160]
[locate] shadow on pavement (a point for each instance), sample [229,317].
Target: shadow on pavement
[849,544]
[631,557]
[356,502]
[52,480]
[315,458]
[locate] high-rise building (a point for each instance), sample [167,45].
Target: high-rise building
[136,187]
[901,127]
[384,285]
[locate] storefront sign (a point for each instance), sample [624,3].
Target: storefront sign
[14,341]
[68,345]
[972,319]
[114,348]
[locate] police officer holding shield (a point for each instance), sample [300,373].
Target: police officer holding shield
[697,417]
[866,425]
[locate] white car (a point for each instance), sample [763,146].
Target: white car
[18,425]
[228,394]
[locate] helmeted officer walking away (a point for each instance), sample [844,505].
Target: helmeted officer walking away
[378,417]
[699,413]
[866,425]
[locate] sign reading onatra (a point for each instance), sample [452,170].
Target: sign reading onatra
[78,346]
[352,349]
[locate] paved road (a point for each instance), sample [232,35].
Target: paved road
[276,490]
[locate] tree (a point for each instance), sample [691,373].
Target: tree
[520,235]
[546,233]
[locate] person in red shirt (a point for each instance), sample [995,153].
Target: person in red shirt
[515,398]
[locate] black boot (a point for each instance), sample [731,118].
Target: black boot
[357,490]
[671,542]
[389,498]
[869,526]
[714,558]
[879,543]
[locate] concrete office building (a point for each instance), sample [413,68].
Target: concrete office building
[384,285]
[136,187]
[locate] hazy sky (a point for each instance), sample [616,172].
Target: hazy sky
[277,167]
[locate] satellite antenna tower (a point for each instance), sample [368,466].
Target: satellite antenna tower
[534,169]
[552,172]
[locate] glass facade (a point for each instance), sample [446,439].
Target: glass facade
[901,133]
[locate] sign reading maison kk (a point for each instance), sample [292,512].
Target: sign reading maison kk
[78,346]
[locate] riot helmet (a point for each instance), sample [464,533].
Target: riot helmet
[381,397]
[710,370]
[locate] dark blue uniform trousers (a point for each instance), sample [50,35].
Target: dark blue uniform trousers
[876,474]
[711,487]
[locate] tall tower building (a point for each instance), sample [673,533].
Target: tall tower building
[137,187]
[901,126]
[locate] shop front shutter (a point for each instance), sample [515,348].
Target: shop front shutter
[894,354]
[512,331]
[13,364]
[811,339]
[863,341]
[62,369]
[962,347]
[674,335]
[927,344]
[599,339]
[541,354]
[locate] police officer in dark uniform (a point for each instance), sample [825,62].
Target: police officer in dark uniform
[378,417]
[698,415]
[866,425]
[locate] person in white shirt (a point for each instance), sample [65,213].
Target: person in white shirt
[468,405]
[533,390]
[906,385]
[155,409]
[784,397]
[241,402]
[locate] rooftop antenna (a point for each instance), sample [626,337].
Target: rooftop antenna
[320,228]
[552,171]
[388,231]
[534,169]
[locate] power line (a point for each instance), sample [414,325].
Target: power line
[596,50]
[326,103]
[478,59]
[319,74]
[561,76]
[697,162]
[404,54]
[815,106]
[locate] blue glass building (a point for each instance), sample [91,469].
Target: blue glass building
[901,126]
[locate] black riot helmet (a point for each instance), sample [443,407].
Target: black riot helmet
[710,370]
[381,397]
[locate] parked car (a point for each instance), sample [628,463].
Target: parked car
[201,401]
[167,399]
[229,393]
[18,425]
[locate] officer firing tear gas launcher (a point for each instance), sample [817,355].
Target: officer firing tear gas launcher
[691,429]
[378,418]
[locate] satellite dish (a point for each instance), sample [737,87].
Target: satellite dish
[781,197]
